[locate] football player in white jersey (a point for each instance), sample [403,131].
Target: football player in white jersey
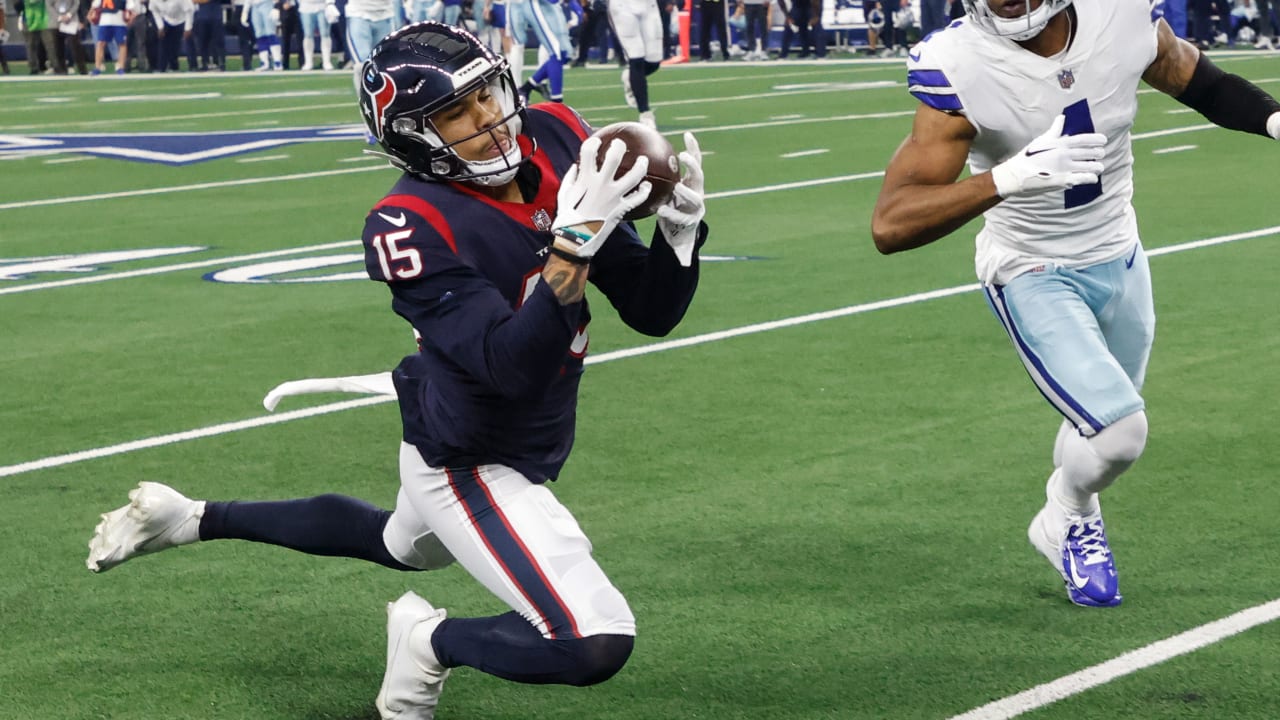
[638,26]
[1039,97]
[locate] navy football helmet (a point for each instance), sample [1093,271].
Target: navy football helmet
[421,69]
[1016,29]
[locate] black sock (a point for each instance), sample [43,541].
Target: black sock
[332,525]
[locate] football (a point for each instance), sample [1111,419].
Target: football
[664,167]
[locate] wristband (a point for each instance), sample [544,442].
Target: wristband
[572,235]
[566,255]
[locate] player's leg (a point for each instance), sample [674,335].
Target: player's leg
[568,625]
[159,517]
[549,23]
[1052,318]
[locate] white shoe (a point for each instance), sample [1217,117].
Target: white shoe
[414,678]
[647,118]
[328,66]
[156,518]
[627,95]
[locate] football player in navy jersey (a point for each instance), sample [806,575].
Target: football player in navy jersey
[486,242]
[1038,98]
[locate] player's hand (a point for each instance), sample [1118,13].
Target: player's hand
[4,35]
[678,219]
[331,14]
[591,201]
[244,15]
[1273,125]
[1051,162]
[275,16]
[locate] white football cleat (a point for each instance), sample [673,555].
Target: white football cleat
[156,518]
[627,94]
[414,677]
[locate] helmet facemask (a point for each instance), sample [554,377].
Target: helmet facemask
[1017,29]
[441,160]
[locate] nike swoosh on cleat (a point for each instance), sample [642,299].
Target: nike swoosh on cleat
[398,221]
[1080,582]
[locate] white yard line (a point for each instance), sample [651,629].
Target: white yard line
[1130,662]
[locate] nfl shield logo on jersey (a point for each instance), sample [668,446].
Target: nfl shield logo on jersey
[1066,79]
[541,220]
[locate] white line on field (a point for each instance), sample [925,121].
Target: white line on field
[180,188]
[1174,149]
[805,153]
[1130,662]
[264,158]
[175,268]
[68,459]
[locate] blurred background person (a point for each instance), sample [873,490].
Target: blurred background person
[291,32]
[4,38]
[113,18]
[70,23]
[39,23]
[173,20]
[209,35]
[755,14]
[368,21]
[314,24]
[711,16]
[545,18]
[933,16]
[263,17]
[638,27]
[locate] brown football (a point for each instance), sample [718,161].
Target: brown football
[664,167]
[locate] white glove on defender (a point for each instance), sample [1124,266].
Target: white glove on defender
[331,14]
[590,194]
[1051,162]
[678,219]
[1273,125]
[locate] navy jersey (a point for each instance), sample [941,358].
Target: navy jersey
[496,376]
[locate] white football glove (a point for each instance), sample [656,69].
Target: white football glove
[378,384]
[1273,125]
[331,14]
[1051,162]
[244,15]
[678,219]
[275,16]
[591,194]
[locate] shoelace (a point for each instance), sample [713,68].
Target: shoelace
[1092,541]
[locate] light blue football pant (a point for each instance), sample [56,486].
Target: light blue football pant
[362,35]
[546,20]
[1084,335]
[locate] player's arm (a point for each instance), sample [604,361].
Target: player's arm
[460,313]
[920,200]
[1228,100]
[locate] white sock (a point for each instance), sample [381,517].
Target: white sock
[308,52]
[326,50]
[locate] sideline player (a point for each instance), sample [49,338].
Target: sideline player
[1040,98]
[637,24]
[487,242]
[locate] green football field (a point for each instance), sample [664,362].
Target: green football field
[815,500]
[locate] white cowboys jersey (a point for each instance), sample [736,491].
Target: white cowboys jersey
[1012,95]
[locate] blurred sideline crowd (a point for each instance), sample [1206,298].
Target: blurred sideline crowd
[146,36]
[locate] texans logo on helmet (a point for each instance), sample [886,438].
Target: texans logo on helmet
[382,98]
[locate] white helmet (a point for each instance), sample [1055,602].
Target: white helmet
[1016,29]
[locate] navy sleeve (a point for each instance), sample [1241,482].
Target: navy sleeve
[647,286]
[461,315]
